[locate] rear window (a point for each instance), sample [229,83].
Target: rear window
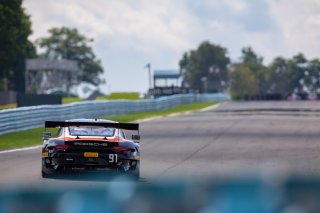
[91,131]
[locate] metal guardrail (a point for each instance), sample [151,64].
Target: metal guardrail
[12,120]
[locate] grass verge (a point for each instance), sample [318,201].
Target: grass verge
[68,100]
[121,95]
[33,136]
[8,106]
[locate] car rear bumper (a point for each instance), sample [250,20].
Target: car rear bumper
[62,161]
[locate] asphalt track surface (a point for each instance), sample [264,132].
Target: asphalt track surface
[217,143]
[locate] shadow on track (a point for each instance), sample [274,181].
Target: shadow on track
[95,176]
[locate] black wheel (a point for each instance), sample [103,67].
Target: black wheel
[44,170]
[48,173]
[45,175]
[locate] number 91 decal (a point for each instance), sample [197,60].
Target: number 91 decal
[113,158]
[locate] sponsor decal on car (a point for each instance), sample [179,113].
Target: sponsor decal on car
[89,144]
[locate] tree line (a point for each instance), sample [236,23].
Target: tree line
[209,68]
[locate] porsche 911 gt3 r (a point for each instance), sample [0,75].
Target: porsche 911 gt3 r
[90,144]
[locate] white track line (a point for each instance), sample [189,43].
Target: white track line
[211,107]
[22,149]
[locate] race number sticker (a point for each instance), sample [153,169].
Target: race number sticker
[113,158]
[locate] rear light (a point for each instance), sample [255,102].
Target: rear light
[122,149]
[59,147]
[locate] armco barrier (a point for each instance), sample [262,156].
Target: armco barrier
[12,120]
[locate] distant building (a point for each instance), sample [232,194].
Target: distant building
[167,82]
[47,74]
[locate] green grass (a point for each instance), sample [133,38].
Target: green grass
[101,98]
[67,100]
[24,138]
[8,106]
[121,95]
[33,136]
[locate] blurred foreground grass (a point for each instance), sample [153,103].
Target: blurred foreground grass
[33,136]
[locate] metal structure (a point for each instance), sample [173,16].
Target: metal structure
[166,75]
[13,120]
[171,84]
[149,74]
[44,74]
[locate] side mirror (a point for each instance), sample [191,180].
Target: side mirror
[46,135]
[135,137]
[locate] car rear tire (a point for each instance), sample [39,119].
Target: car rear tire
[44,175]
[136,173]
[47,175]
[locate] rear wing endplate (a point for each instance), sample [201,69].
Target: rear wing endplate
[59,124]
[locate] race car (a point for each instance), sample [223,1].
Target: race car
[91,144]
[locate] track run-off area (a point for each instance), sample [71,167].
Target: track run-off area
[234,139]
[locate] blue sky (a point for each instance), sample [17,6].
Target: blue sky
[130,33]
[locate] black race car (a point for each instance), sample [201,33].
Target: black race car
[91,144]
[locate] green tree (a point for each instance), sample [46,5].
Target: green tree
[294,75]
[15,47]
[255,63]
[251,59]
[278,76]
[66,43]
[297,67]
[208,63]
[314,75]
[242,82]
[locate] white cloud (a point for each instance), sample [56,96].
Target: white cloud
[112,19]
[299,22]
[237,5]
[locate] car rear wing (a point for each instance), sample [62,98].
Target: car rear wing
[59,124]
